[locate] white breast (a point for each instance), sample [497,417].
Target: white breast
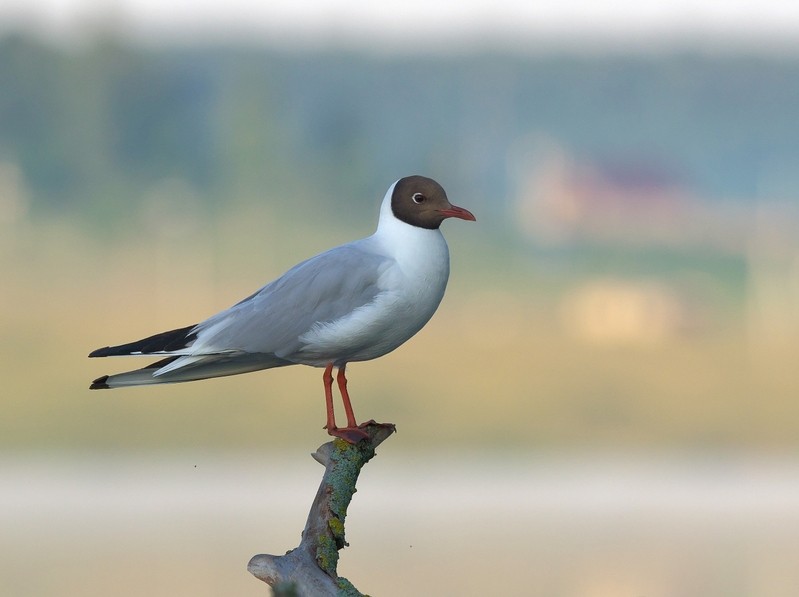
[412,288]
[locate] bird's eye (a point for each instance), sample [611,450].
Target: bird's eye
[419,198]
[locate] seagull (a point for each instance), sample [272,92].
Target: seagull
[355,302]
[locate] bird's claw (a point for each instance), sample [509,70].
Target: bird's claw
[353,435]
[350,435]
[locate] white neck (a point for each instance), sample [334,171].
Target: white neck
[386,214]
[410,245]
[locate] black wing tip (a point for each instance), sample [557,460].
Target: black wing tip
[100,383]
[165,342]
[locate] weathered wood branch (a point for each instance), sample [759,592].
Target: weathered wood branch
[309,570]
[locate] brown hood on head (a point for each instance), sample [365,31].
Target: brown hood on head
[422,202]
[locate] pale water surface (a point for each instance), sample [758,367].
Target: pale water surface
[459,524]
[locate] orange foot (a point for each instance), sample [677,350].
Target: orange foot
[353,435]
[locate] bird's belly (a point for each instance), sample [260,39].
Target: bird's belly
[370,331]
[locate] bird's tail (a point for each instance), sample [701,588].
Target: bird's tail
[187,368]
[180,365]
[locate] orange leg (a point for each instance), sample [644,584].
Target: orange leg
[350,433]
[327,378]
[341,378]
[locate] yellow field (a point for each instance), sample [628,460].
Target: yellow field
[498,365]
[526,463]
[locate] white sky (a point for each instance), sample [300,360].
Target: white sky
[418,25]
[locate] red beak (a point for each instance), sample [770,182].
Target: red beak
[453,211]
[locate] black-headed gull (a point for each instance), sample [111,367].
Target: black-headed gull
[355,302]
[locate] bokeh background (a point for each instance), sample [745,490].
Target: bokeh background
[606,403]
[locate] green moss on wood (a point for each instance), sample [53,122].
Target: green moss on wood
[346,588]
[327,554]
[285,589]
[337,528]
[348,459]
[346,463]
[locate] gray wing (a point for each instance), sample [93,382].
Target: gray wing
[321,289]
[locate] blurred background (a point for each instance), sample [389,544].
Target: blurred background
[606,403]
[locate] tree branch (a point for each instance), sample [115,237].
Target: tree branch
[310,568]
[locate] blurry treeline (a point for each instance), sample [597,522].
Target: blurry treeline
[90,127]
[632,280]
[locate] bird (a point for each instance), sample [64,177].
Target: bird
[355,302]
